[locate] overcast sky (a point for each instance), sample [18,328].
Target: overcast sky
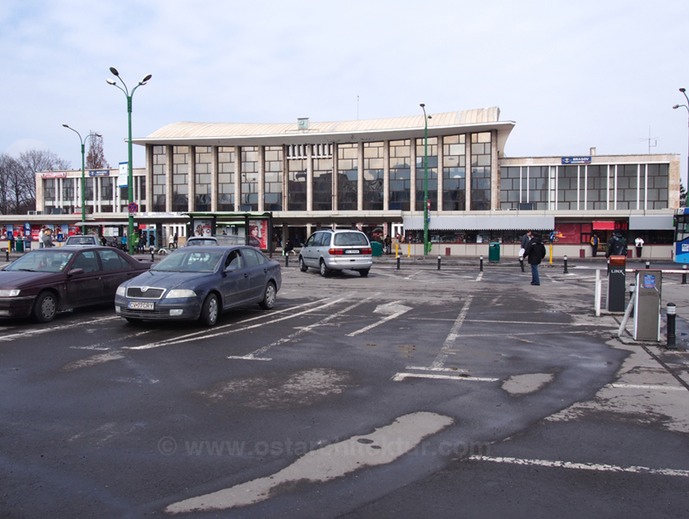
[572,75]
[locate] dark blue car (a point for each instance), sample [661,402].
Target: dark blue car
[199,283]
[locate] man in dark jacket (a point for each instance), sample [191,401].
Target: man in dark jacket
[534,254]
[617,246]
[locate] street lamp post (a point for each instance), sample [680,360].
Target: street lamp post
[83,173]
[426,244]
[684,91]
[130,175]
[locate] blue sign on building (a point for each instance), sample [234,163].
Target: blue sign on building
[576,160]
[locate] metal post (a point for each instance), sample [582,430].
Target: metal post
[480,263]
[398,262]
[684,274]
[671,315]
[565,259]
[426,248]
[438,261]
[287,260]
[130,171]
[521,264]
[648,264]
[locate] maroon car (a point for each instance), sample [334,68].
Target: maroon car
[43,282]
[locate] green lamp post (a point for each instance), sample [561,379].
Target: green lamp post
[130,175]
[83,173]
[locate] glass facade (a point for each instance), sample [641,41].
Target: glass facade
[400,175]
[347,176]
[454,173]
[480,171]
[432,148]
[374,165]
[587,187]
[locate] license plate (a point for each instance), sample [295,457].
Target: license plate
[352,251]
[140,305]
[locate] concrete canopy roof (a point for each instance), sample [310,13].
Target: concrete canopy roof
[250,134]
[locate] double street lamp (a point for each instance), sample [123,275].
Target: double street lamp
[426,244]
[83,173]
[684,91]
[130,177]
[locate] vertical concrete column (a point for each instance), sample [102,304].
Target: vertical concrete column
[439,172]
[191,178]
[262,178]
[285,179]
[336,177]
[386,176]
[150,162]
[237,177]
[169,167]
[412,175]
[467,194]
[360,177]
[494,172]
[215,169]
[308,148]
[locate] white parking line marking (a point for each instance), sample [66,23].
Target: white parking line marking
[393,310]
[381,447]
[51,329]
[647,386]
[231,328]
[398,377]
[254,355]
[446,350]
[634,469]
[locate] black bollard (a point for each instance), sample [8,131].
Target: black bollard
[398,262]
[480,263]
[7,255]
[287,260]
[684,274]
[671,314]
[565,271]
[438,262]
[521,264]
[153,258]
[648,264]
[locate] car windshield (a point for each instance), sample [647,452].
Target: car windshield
[42,261]
[189,260]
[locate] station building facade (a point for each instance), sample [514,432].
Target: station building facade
[374,174]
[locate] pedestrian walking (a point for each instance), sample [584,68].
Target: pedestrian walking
[534,252]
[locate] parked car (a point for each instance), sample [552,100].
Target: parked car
[329,250]
[222,240]
[199,283]
[83,239]
[43,282]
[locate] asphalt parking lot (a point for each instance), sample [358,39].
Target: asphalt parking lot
[416,391]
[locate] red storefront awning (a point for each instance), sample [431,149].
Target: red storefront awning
[603,225]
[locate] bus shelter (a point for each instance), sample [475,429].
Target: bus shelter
[250,228]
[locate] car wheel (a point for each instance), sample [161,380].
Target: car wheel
[364,272]
[210,310]
[323,269]
[45,307]
[302,265]
[269,296]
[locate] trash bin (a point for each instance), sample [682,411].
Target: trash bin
[19,245]
[377,248]
[494,251]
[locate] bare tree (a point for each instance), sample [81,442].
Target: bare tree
[95,158]
[19,178]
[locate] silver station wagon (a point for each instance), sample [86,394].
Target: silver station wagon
[330,250]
